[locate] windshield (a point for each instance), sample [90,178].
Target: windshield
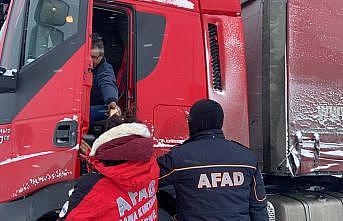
[45,31]
[45,25]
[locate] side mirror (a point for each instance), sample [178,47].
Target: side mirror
[8,80]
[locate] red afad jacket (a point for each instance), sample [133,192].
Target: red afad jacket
[124,192]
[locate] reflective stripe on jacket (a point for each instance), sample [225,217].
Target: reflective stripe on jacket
[214,179]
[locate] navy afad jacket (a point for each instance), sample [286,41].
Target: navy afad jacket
[104,89]
[214,179]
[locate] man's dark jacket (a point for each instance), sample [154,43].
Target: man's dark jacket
[214,179]
[104,89]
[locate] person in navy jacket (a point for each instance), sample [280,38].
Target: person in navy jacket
[104,93]
[214,178]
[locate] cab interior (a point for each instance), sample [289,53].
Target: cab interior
[113,25]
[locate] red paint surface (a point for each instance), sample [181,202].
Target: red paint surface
[25,176]
[181,77]
[192,5]
[23,168]
[227,7]
[233,97]
[315,61]
[33,129]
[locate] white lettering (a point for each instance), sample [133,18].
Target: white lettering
[140,214]
[203,181]
[238,178]
[142,195]
[123,206]
[4,138]
[133,197]
[151,217]
[132,217]
[226,180]
[152,202]
[145,208]
[148,194]
[151,189]
[216,177]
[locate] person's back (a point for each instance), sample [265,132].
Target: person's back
[124,183]
[214,178]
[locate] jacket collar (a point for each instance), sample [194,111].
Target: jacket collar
[206,134]
[103,60]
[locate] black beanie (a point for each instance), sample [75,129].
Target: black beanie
[204,115]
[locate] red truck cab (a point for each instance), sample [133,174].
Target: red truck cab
[167,55]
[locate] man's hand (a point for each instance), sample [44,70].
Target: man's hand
[85,149]
[113,109]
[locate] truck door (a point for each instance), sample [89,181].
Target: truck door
[315,87]
[170,66]
[46,49]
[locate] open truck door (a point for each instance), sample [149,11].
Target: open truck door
[45,81]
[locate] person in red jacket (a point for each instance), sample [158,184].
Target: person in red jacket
[124,182]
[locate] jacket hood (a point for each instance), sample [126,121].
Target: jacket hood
[205,134]
[130,142]
[123,130]
[130,176]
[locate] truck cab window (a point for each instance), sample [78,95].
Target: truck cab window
[3,13]
[11,50]
[50,22]
[2,29]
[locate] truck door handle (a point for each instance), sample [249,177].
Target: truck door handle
[66,134]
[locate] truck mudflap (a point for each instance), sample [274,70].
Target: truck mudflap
[309,206]
[35,206]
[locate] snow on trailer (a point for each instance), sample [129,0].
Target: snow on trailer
[295,88]
[293,53]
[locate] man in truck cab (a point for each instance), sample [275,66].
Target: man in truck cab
[104,93]
[214,178]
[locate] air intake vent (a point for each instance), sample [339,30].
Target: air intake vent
[215,59]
